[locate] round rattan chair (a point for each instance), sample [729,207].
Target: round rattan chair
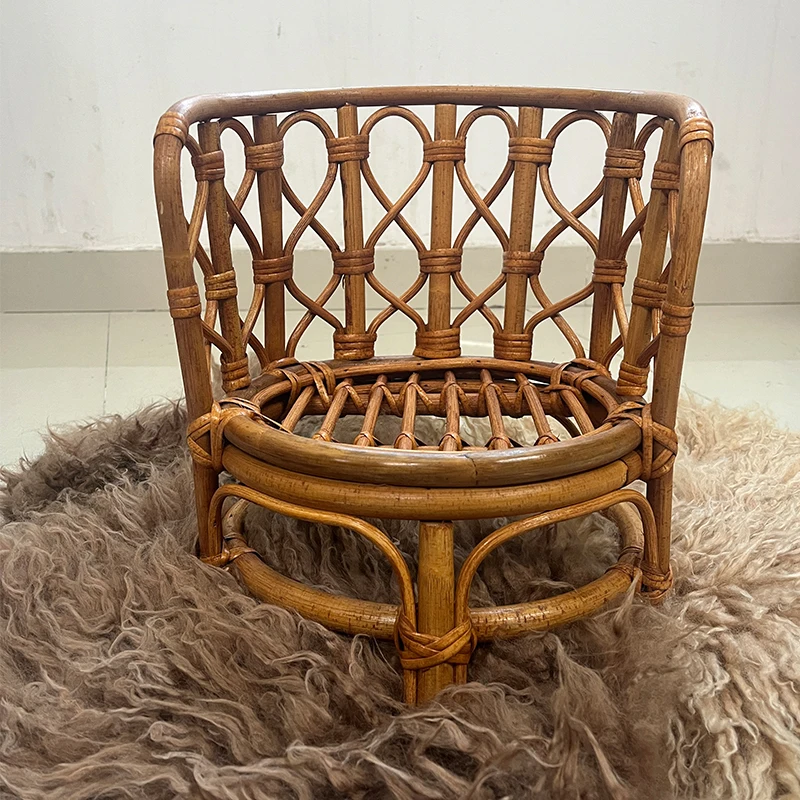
[594,433]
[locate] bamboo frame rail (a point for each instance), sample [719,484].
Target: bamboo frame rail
[591,429]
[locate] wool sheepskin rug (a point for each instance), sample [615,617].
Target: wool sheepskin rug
[128,669]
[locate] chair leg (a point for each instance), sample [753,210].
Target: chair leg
[656,571]
[206,482]
[436,601]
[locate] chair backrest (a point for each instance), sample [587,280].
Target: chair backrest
[672,216]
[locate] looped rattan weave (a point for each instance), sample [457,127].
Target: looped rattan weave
[441,260]
[212,426]
[356,262]
[609,270]
[209,166]
[653,434]
[530,149]
[423,650]
[184,302]
[348,148]
[444,150]
[386,436]
[266,156]
[272,270]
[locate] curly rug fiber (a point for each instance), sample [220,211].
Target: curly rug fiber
[128,669]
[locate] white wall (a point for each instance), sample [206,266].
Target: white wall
[83,83]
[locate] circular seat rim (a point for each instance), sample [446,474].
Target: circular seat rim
[427,502]
[432,469]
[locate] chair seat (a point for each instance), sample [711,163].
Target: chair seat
[580,396]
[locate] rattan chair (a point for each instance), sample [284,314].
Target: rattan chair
[614,436]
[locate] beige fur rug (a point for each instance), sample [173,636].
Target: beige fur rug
[130,670]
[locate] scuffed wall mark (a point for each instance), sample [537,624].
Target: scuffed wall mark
[721,163]
[50,218]
[684,70]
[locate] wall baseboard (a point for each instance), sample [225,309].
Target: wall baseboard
[133,280]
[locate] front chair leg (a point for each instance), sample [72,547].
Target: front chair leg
[656,570]
[436,599]
[435,652]
[209,538]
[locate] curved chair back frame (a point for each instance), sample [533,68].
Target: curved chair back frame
[661,296]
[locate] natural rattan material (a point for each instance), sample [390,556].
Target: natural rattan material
[595,432]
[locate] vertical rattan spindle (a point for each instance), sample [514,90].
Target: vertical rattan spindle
[185,309]
[441,220]
[265,135]
[517,261]
[221,286]
[648,291]
[354,344]
[436,575]
[609,266]
[695,143]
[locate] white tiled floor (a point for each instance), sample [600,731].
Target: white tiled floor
[56,368]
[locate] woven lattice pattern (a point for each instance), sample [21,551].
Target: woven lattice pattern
[452,394]
[529,150]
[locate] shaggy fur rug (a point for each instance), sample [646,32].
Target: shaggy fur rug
[128,669]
